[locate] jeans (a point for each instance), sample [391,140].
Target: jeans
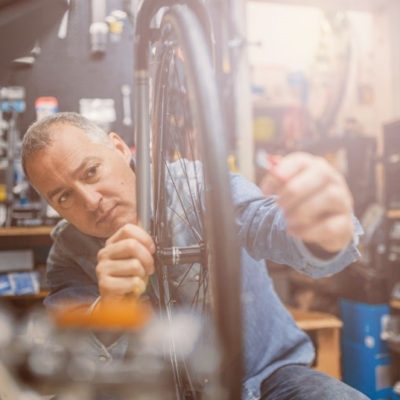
[298,382]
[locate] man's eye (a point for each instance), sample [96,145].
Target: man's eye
[63,198]
[91,172]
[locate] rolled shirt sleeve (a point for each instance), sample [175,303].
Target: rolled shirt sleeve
[262,231]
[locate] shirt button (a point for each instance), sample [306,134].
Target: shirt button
[103,358]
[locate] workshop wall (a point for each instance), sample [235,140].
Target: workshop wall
[66,69]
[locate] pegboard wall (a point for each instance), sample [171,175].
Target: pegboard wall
[66,69]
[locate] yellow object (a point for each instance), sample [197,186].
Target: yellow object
[139,286]
[116,27]
[264,129]
[3,193]
[232,164]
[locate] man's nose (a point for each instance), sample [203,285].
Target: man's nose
[91,198]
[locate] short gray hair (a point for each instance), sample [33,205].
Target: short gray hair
[40,134]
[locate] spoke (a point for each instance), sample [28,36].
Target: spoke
[190,143]
[197,293]
[181,202]
[172,346]
[205,287]
[190,383]
[196,207]
[198,235]
[174,289]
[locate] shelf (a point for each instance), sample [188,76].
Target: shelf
[393,214]
[313,320]
[26,231]
[37,296]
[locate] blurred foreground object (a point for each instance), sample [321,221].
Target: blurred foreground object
[109,314]
[55,355]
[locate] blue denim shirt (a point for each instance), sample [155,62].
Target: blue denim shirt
[271,337]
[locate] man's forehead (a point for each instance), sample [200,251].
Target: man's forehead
[64,155]
[63,131]
[71,141]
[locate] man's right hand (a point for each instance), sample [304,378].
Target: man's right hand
[125,262]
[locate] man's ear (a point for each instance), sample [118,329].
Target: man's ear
[120,146]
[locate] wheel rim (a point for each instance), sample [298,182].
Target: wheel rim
[185,263]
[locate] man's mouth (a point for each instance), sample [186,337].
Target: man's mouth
[106,215]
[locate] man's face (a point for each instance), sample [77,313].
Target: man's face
[90,184]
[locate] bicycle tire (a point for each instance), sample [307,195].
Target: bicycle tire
[181,30]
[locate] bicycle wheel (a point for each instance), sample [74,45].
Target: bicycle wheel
[198,259]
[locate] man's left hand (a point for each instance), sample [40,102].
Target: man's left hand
[315,199]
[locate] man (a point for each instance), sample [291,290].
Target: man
[86,176]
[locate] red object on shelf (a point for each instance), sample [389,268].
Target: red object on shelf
[45,106]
